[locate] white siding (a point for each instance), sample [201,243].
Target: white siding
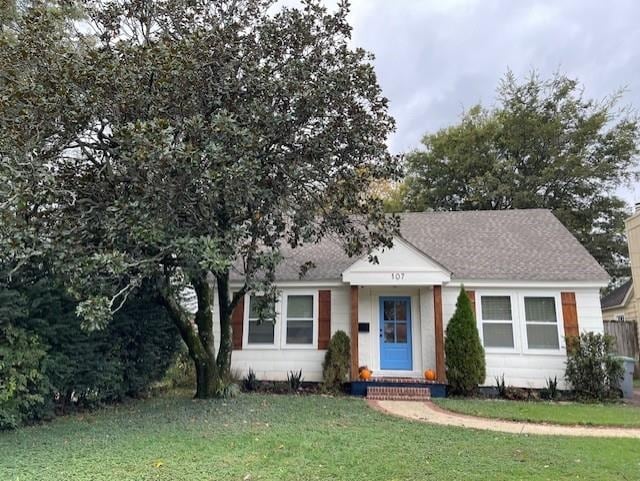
[519,369]
[526,369]
[275,364]
[428,329]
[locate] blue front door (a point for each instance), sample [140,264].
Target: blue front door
[395,333]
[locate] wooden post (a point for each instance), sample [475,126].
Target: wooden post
[354,333]
[439,332]
[570,314]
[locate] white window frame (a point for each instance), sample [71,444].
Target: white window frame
[514,320]
[284,296]
[280,328]
[245,330]
[561,350]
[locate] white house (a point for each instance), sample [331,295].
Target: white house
[530,281]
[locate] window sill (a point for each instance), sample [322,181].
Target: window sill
[500,350]
[259,347]
[544,352]
[305,347]
[526,352]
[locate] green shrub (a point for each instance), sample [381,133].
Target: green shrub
[465,360]
[92,368]
[294,380]
[592,371]
[250,381]
[49,364]
[550,392]
[335,368]
[25,392]
[181,372]
[501,387]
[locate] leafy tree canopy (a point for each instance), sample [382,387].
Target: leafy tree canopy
[177,140]
[544,145]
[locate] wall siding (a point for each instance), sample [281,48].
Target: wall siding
[525,369]
[519,369]
[275,364]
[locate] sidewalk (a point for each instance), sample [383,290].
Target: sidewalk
[429,413]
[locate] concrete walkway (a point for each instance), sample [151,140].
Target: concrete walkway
[429,413]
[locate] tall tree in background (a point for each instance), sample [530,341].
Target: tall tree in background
[542,146]
[173,141]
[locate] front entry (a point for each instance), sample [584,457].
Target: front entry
[395,333]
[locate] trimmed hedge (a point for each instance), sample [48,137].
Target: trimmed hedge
[79,369]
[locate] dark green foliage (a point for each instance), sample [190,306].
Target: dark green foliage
[544,145]
[228,385]
[501,386]
[335,367]
[88,368]
[180,139]
[25,392]
[464,353]
[294,380]
[181,373]
[551,390]
[592,371]
[250,381]
[51,364]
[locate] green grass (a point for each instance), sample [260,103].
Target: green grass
[558,413]
[262,437]
[636,383]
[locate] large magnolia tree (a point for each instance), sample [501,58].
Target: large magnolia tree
[174,141]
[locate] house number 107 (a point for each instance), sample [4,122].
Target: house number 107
[397,276]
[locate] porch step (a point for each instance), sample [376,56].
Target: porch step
[401,380]
[402,393]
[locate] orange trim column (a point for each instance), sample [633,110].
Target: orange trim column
[354,333]
[439,333]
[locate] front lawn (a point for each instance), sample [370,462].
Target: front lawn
[558,413]
[267,437]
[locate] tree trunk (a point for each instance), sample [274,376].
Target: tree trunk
[210,379]
[198,335]
[225,307]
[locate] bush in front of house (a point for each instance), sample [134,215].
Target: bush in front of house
[104,366]
[592,371]
[49,365]
[335,368]
[25,392]
[465,361]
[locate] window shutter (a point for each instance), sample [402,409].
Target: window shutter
[324,318]
[472,298]
[570,314]
[237,323]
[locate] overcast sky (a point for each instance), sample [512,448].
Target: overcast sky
[435,58]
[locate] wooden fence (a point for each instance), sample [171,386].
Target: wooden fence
[626,335]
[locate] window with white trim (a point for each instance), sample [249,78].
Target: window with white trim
[300,319]
[260,331]
[542,323]
[497,321]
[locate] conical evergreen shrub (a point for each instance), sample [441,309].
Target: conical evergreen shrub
[465,359]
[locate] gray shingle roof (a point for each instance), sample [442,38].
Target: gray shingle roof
[527,245]
[616,297]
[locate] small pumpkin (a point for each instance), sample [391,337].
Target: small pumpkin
[430,375]
[365,373]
